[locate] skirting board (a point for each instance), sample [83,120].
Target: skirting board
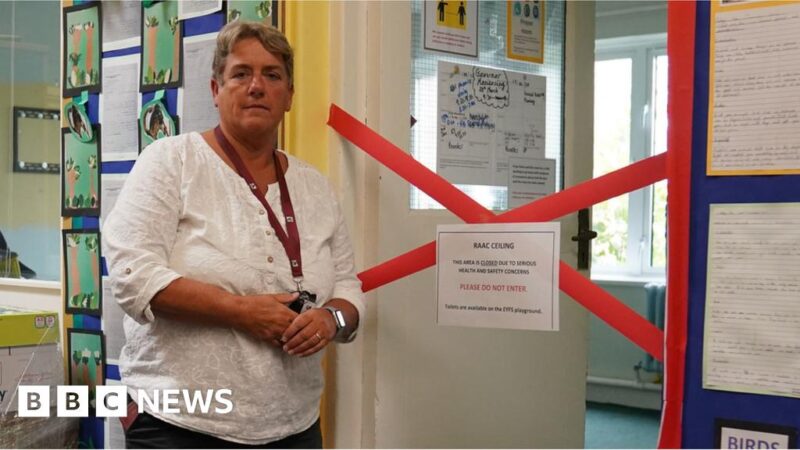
[624,392]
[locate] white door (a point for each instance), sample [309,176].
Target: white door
[422,385]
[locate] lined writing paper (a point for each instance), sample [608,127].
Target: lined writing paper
[752,321]
[754,95]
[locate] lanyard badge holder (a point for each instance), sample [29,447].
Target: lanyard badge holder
[305,301]
[290,239]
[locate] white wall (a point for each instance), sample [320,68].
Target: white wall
[31,294]
[612,357]
[630,18]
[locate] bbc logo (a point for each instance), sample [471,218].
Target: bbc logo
[72,401]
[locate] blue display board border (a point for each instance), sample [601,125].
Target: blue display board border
[701,406]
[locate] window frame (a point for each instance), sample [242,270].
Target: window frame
[643,51]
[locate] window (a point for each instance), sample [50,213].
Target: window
[630,124]
[491,41]
[29,82]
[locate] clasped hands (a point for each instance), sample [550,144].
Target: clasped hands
[268,317]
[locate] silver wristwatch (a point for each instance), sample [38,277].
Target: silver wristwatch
[341,325]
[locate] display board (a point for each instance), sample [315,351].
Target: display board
[136,97]
[731,334]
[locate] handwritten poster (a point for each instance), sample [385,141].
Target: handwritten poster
[484,117]
[752,318]
[754,112]
[452,26]
[525,30]
[498,275]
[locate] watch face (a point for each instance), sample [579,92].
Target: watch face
[339,319]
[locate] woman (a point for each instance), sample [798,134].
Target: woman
[211,271]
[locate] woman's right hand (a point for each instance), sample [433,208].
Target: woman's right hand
[267,316]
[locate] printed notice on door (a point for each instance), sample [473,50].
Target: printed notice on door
[752,319]
[452,26]
[754,89]
[486,116]
[498,275]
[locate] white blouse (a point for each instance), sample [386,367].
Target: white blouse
[183,212]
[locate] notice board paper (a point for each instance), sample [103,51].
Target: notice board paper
[754,91]
[119,108]
[752,315]
[195,103]
[530,179]
[484,117]
[110,185]
[197,8]
[121,23]
[498,275]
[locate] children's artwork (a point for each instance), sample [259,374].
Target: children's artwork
[82,38]
[79,123]
[80,188]
[87,361]
[82,290]
[252,10]
[155,122]
[162,46]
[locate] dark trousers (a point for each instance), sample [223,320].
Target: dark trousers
[149,432]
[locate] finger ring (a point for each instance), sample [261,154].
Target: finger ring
[319,338]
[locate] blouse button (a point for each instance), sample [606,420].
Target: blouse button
[270,259]
[269,233]
[261,212]
[128,271]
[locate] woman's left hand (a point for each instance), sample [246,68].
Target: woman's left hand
[309,333]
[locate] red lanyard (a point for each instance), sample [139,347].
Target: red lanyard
[291,237]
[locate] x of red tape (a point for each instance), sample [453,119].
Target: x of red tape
[598,301]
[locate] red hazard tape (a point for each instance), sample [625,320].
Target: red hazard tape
[680,50]
[601,303]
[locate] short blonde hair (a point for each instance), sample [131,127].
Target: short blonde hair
[270,37]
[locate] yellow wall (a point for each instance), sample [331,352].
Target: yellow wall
[306,133]
[308,29]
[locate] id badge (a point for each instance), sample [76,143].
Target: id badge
[304,302]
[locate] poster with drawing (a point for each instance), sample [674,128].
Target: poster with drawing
[252,10]
[161,56]
[484,117]
[451,26]
[80,176]
[525,30]
[87,361]
[81,38]
[82,284]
